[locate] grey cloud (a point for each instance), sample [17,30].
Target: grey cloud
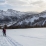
[2,1]
[37,2]
[26,5]
[16,2]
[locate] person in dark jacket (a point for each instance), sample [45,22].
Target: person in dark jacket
[4,32]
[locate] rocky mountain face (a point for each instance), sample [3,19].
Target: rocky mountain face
[17,19]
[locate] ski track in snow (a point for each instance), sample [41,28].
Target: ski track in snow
[7,41]
[32,37]
[3,41]
[13,42]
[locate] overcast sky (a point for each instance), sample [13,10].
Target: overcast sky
[23,5]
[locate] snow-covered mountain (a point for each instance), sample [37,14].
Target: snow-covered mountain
[9,16]
[13,18]
[33,20]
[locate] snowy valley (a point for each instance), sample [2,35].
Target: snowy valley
[24,37]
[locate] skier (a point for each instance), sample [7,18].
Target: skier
[4,32]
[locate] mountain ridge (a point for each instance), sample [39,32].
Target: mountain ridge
[13,18]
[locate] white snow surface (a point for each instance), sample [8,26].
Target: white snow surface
[24,37]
